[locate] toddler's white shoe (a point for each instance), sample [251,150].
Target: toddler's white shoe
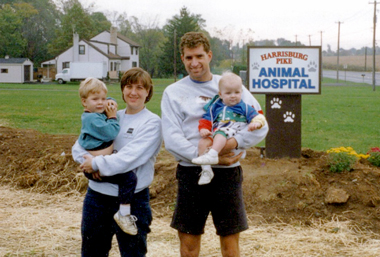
[206,177]
[206,159]
[126,223]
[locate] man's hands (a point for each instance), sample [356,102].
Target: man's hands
[226,157]
[229,158]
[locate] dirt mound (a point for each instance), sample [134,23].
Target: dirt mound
[288,190]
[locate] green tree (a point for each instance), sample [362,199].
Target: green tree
[12,17]
[173,31]
[100,22]
[284,42]
[124,24]
[220,51]
[265,42]
[148,35]
[74,18]
[39,30]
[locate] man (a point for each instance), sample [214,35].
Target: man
[182,107]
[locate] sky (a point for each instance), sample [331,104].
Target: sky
[308,22]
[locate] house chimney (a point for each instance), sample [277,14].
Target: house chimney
[113,36]
[75,47]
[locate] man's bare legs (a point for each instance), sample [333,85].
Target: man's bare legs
[230,245]
[191,245]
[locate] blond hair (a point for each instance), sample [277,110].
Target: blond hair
[91,86]
[227,77]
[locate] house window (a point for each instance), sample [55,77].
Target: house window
[65,65]
[111,66]
[134,64]
[131,50]
[82,49]
[4,70]
[137,50]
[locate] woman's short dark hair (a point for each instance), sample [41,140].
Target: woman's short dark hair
[136,75]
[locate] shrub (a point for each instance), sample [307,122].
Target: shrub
[341,161]
[374,159]
[349,150]
[374,156]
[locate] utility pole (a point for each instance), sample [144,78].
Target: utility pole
[365,59]
[374,47]
[322,55]
[175,55]
[296,40]
[321,37]
[309,40]
[337,64]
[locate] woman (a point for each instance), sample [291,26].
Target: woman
[137,146]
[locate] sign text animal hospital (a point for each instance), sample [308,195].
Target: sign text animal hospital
[284,70]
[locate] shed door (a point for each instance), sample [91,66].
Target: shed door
[26,73]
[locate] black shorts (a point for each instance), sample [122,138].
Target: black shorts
[223,197]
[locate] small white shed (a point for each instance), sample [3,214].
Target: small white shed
[16,70]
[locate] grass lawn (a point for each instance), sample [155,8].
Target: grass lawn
[341,116]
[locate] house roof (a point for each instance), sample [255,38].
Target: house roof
[109,55]
[129,41]
[13,60]
[52,61]
[124,38]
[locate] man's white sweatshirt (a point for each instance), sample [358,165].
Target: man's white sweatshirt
[182,107]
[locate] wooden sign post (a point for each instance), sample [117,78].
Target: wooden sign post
[283,74]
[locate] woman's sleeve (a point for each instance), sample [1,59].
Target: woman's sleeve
[78,152]
[145,144]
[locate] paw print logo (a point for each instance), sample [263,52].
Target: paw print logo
[255,66]
[312,67]
[289,117]
[275,103]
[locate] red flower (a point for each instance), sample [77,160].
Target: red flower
[374,149]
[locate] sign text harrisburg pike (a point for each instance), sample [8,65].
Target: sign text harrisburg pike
[284,70]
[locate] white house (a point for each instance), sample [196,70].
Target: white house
[15,70]
[115,51]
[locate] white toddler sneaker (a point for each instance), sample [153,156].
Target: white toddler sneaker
[126,223]
[206,159]
[206,177]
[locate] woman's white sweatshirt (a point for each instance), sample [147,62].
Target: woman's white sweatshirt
[137,146]
[182,107]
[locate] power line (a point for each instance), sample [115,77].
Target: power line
[351,17]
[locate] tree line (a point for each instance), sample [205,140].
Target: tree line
[42,29]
